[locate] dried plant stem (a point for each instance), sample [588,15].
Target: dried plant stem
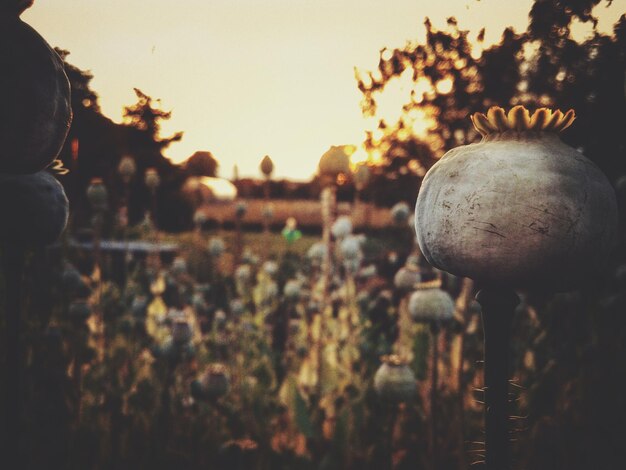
[498,306]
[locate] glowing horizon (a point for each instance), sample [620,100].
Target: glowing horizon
[248,78]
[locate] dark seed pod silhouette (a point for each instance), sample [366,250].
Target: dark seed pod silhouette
[394,380]
[14,7]
[35,115]
[34,208]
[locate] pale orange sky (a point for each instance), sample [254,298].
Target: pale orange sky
[245,78]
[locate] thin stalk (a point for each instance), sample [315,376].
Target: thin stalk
[434,329]
[498,306]
[13,263]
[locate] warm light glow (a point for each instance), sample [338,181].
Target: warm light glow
[248,78]
[444,86]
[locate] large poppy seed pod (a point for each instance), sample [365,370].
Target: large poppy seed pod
[35,115]
[520,208]
[34,208]
[400,213]
[97,195]
[335,161]
[152,179]
[429,304]
[407,278]
[216,247]
[394,380]
[266,166]
[342,227]
[127,168]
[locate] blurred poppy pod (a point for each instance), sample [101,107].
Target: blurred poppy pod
[335,162]
[179,266]
[394,380]
[292,289]
[216,247]
[35,115]
[97,195]
[267,166]
[34,208]
[342,227]
[152,179]
[212,384]
[400,213]
[200,217]
[429,303]
[520,208]
[407,278]
[350,248]
[181,331]
[240,209]
[127,168]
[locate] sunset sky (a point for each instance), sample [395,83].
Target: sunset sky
[245,78]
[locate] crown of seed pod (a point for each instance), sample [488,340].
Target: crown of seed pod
[35,93]
[267,166]
[520,208]
[429,303]
[394,380]
[34,208]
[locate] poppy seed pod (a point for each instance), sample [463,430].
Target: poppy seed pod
[292,289]
[520,208]
[350,248]
[127,168]
[213,383]
[97,194]
[35,115]
[267,166]
[34,208]
[394,380]
[407,278]
[342,227]
[429,304]
[335,161]
[400,213]
[152,179]
[216,247]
